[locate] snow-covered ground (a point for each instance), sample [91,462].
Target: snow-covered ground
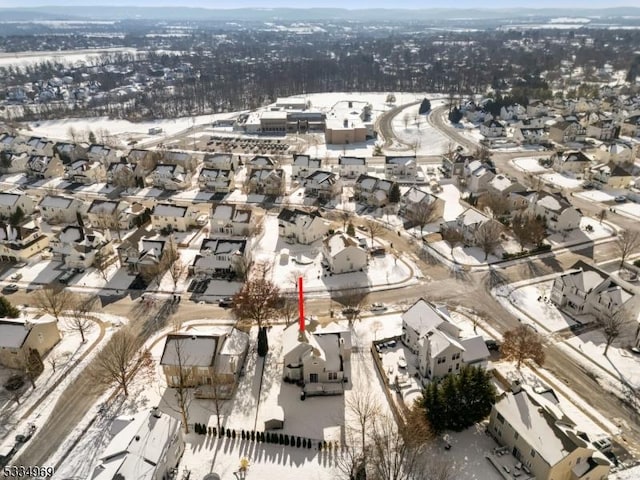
[598,231]
[561,181]
[469,130]
[629,209]
[414,131]
[452,208]
[529,164]
[595,196]
[65,57]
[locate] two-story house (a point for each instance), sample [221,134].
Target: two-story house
[401,166]
[40,146]
[575,162]
[56,209]
[372,191]
[233,220]
[40,166]
[302,226]
[477,176]
[21,242]
[184,160]
[11,202]
[453,164]
[216,180]
[414,200]
[143,256]
[69,152]
[170,177]
[25,336]
[468,223]
[221,256]
[611,174]
[303,165]
[86,172]
[567,131]
[223,161]
[558,213]
[322,184]
[11,162]
[102,154]
[352,167]
[603,129]
[492,129]
[266,181]
[530,135]
[113,214]
[175,217]
[543,438]
[77,247]
[343,254]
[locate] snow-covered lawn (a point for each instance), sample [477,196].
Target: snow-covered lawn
[561,181]
[452,208]
[595,196]
[36,272]
[418,132]
[469,130]
[529,164]
[599,230]
[65,57]
[629,209]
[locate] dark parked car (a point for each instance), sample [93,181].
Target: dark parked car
[226,302]
[14,383]
[11,288]
[492,345]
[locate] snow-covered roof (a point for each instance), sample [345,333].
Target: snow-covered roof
[406,160]
[422,316]
[330,344]
[223,212]
[235,343]
[500,183]
[472,217]
[138,448]
[102,206]
[168,210]
[189,350]
[220,246]
[321,176]
[475,350]
[339,242]
[9,199]
[440,341]
[56,201]
[584,281]
[14,331]
[352,161]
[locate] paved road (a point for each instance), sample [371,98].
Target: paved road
[385,128]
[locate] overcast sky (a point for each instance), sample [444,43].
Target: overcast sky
[353,4]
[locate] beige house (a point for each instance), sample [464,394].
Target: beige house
[207,357]
[221,256]
[41,166]
[216,180]
[102,154]
[302,226]
[11,202]
[414,199]
[557,211]
[56,209]
[78,247]
[344,254]
[303,165]
[566,131]
[543,438]
[372,191]
[403,166]
[266,181]
[22,242]
[612,175]
[233,220]
[170,177]
[352,167]
[21,336]
[322,185]
[142,257]
[571,162]
[174,217]
[105,214]
[86,172]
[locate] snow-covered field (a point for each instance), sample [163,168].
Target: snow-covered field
[599,230]
[452,208]
[529,164]
[561,181]
[68,57]
[595,196]
[418,133]
[629,209]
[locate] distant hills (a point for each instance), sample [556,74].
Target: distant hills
[71,13]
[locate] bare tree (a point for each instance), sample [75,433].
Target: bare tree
[289,309]
[353,299]
[115,363]
[101,262]
[528,228]
[218,383]
[31,364]
[482,153]
[602,215]
[421,214]
[374,228]
[79,321]
[364,407]
[406,118]
[176,270]
[124,177]
[453,236]
[53,301]
[345,217]
[494,204]
[627,243]
[182,377]
[522,343]
[257,301]
[72,134]
[487,237]
[613,324]
[110,221]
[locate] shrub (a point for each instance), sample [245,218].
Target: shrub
[319,446]
[243,435]
[309,443]
[210,431]
[304,443]
[253,435]
[233,434]
[281,439]
[228,433]
[298,442]
[215,431]
[222,431]
[262,437]
[324,445]
[637,263]
[286,440]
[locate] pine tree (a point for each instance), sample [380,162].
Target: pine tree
[394,193]
[425,106]
[298,442]
[243,435]
[351,231]
[263,342]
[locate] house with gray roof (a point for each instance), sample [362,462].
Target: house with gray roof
[221,256]
[400,166]
[19,337]
[343,254]
[303,165]
[322,184]
[372,191]
[302,226]
[11,202]
[556,210]
[352,167]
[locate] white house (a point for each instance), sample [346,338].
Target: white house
[216,180]
[586,290]
[322,184]
[145,446]
[86,172]
[302,226]
[55,209]
[423,316]
[530,135]
[11,202]
[105,213]
[44,166]
[352,167]
[303,165]
[318,356]
[540,435]
[77,247]
[234,220]
[343,254]
[477,176]
[557,211]
[492,129]
[174,217]
[414,199]
[468,223]
[372,191]
[21,242]
[184,160]
[571,161]
[145,255]
[170,177]
[223,161]
[502,185]
[266,181]
[403,166]
[220,256]
[611,174]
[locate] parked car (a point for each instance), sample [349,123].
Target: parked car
[350,311]
[226,302]
[66,276]
[378,307]
[11,288]
[492,345]
[16,276]
[23,437]
[19,264]
[14,383]
[620,199]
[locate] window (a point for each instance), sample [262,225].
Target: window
[533,453]
[500,418]
[455,356]
[516,436]
[449,370]
[313,378]
[333,375]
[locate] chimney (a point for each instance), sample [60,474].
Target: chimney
[301,304]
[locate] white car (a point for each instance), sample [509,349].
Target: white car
[378,307]
[402,363]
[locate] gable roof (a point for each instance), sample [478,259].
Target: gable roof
[189,350]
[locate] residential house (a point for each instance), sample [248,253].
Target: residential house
[143,257]
[216,180]
[302,226]
[453,165]
[322,185]
[44,166]
[184,160]
[13,143]
[122,174]
[352,167]
[223,161]
[477,176]
[616,152]
[102,154]
[105,214]
[468,223]
[138,155]
[56,209]
[11,202]
[13,162]
[557,211]
[575,162]
[530,135]
[144,446]
[21,242]
[39,146]
[567,131]
[603,129]
[543,438]
[205,357]
[233,220]
[69,152]
[318,357]
[343,254]
[585,289]
[492,129]
[166,216]
[372,191]
[414,200]
[612,175]
[170,177]
[303,165]
[422,317]
[25,336]
[502,185]
[631,126]
[86,172]
[537,108]
[403,166]
[221,256]
[260,162]
[77,247]
[266,181]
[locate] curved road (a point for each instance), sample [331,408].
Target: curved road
[384,125]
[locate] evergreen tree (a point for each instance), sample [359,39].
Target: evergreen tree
[394,193]
[351,230]
[455,115]
[7,310]
[263,342]
[425,106]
